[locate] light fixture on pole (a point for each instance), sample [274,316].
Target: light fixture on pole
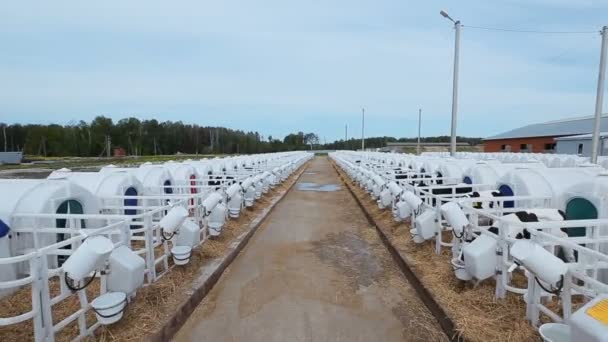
[457,27]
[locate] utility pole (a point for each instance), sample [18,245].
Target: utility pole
[419,121]
[44,145]
[363,129]
[4,132]
[455,89]
[196,130]
[457,26]
[346,136]
[345,132]
[599,97]
[108,146]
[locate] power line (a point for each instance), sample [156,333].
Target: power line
[527,31]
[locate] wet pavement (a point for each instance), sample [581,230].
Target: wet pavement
[307,186]
[314,271]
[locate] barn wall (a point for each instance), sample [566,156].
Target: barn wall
[571,146]
[538,144]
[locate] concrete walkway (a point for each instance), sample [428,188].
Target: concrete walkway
[315,271]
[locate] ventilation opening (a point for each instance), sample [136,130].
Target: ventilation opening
[506,191]
[467,180]
[580,209]
[193,189]
[167,187]
[4,229]
[439,181]
[193,184]
[67,207]
[130,202]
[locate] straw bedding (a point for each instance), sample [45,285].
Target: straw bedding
[477,315]
[153,305]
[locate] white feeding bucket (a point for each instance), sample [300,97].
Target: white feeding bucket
[258,185]
[181,254]
[403,210]
[412,200]
[455,217]
[235,200]
[385,199]
[90,256]
[217,219]
[426,225]
[189,234]
[555,332]
[234,205]
[480,257]
[546,266]
[126,270]
[460,270]
[395,189]
[211,202]
[109,307]
[249,196]
[173,220]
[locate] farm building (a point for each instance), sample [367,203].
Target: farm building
[10,157]
[581,144]
[541,138]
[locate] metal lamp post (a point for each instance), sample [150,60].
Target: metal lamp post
[457,27]
[599,98]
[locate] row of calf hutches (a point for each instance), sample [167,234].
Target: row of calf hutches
[118,228]
[501,214]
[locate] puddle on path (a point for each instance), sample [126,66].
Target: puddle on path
[304,186]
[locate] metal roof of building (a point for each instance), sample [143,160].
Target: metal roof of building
[582,136]
[573,126]
[413,143]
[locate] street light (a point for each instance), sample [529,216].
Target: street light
[457,26]
[445,15]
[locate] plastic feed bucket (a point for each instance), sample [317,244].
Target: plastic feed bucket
[555,332]
[181,254]
[460,270]
[417,238]
[109,307]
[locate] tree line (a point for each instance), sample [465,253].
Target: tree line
[141,137]
[151,137]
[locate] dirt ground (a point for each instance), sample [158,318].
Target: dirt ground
[315,271]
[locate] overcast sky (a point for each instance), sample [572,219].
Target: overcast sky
[279,66]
